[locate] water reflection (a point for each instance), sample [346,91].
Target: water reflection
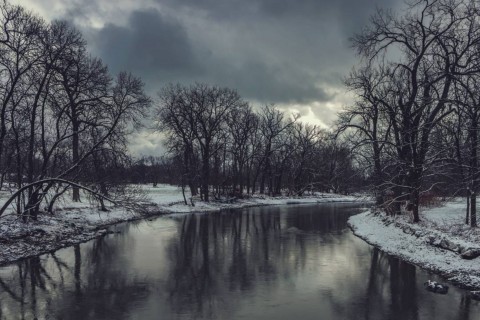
[74,283]
[260,263]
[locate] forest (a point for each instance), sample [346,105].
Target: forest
[410,135]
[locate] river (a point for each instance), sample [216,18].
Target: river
[283,262]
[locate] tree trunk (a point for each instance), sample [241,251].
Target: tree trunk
[188,171]
[262,184]
[474,171]
[55,198]
[206,173]
[473,210]
[248,180]
[183,192]
[415,205]
[75,156]
[397,200]
[377,177]
[31,164]
[32,207]
[467,215]
[240,178]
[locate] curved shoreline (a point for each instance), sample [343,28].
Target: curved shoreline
[50,233]
[383,233]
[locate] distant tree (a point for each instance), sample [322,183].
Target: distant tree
[197,115]
[242,124]
[307,140]
[272,125]
[174,117]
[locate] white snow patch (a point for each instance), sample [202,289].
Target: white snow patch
[446,222]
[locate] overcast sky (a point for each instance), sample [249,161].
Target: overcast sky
[294,53]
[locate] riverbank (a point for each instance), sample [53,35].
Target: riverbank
[440,243]
[74,223]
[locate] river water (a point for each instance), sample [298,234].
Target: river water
[285,262]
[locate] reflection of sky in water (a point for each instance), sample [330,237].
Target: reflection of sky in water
[258,263]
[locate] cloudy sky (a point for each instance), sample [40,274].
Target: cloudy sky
[293,53]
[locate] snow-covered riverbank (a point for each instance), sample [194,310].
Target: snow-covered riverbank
[78,222]
[441,242]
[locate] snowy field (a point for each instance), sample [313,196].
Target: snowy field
[437,243]
[81,221]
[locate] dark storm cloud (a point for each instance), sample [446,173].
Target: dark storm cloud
[151,45]
[349,14]
[278,51]
[259,81]
[159,49]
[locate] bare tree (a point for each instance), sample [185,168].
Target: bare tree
[435,40]
[371,128]
[198,114]
[20,52]
[242,123]
[174,118]
[83,82]
[307,140]
[272,125]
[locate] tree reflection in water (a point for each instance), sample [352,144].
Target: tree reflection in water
[220,253]
[49,286]
[262,263]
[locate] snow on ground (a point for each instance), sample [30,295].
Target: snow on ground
[436,243]
[256,200]
[81,221]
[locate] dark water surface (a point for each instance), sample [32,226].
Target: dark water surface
[291,262]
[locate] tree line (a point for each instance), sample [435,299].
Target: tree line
[415,121]
[223,146]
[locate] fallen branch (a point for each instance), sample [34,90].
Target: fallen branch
[52,180]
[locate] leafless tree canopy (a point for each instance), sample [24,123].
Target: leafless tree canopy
[416,105]
[223,145]
[61,111]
